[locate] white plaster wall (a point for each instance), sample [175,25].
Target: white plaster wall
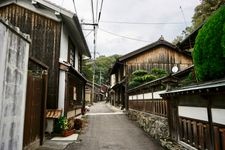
[156,94]
[63,45]
[62,57]
[218,116]
[130,97]
[140,96]
[199,113]
[76,59]
[113,80]
[61,98]
[148,95]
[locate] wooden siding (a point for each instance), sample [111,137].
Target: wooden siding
[74,81]
[157,106]
[45,46]
[160,57]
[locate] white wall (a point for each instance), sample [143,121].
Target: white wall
[148,95]
[62,57]
[62,87]
[113,80]
[218,116]
[140,96]
[63,45]
[76,58]
[199,113]
[156,94]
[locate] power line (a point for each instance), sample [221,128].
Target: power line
[144,23]
[74,7]
[99,16]
[93,15]
[122,36]
[88,34]
[96,10]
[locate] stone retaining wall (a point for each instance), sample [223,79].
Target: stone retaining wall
[155,126]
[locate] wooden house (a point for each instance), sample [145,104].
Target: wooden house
[56,52]
[160,54]
[89,93]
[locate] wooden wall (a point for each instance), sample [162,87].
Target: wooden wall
[45,46]
[160,57]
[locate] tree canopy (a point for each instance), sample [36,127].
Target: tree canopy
[102,65]
[209,49]
[201,14]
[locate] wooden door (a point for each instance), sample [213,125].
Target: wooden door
[34,118]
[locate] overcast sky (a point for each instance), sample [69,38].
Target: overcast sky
[151,18]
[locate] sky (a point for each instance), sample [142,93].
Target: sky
[127,25]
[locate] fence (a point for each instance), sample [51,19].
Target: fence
[197,134]
[157,106]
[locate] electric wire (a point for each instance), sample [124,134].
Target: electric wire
[96,10]
[100,12]
[92,9]
[122,36]
[74,6]
[88,34]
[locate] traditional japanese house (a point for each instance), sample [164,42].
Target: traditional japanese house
[89,93]
[160,54]
[57,47]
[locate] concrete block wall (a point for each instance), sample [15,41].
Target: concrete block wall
[14,48]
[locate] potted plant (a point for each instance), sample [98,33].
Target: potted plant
[62,126]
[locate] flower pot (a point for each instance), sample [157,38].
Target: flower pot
[68,132]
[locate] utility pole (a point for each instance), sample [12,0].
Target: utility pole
[94,67]
[100,77]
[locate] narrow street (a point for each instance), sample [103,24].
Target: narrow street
[109,129]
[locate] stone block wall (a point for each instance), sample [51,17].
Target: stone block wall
[155,126]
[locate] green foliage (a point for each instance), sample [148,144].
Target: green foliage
[139,72]
[139,77]
[102,63]
[209,49]
[158,72]
[190,79]
[148,77]
[201,14]
[61,124]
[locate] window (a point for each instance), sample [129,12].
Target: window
[72,53]
[74,93]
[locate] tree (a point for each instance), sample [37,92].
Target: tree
[209,49]
[102,65]
[202,12]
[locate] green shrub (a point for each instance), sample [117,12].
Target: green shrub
[158,72]
[61,124]
[139,73]
[209,49]
[148,77]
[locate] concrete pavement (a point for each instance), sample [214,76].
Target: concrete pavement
[110,129]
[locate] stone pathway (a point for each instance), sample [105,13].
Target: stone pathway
[110,129]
